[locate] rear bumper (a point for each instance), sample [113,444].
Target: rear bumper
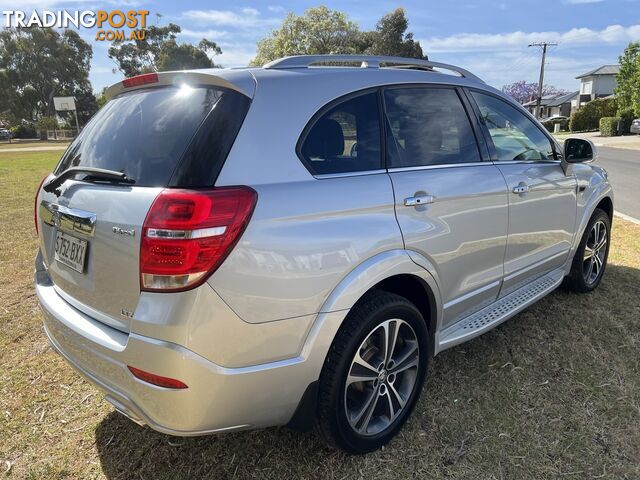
[217,398]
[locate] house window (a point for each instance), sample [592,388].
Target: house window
[585,87]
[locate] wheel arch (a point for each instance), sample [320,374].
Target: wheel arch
[605,204]
[418,292]
[393,271]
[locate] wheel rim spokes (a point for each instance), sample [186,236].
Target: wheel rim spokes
[381,377]
[595,252]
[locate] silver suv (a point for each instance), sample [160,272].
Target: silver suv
[232,249]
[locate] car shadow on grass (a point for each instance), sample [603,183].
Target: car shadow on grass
[527,400]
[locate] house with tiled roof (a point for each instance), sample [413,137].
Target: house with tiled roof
[598,83]
[555,105]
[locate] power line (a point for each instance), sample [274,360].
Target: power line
[544,46]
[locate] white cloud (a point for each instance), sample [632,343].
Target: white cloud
[235,55]
[276,8]
[208,34]
[246,18]
[613,34]
[503,67]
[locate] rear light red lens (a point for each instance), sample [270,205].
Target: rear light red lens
[188,233]
[35,203]
[139,80]
[158,380]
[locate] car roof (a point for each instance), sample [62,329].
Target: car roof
[304,69]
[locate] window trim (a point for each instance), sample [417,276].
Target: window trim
[489,140]
[483,151]
[319,114]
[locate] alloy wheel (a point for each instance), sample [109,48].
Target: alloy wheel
[382,376]
[595,251]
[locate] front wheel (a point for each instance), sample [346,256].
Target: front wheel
[373,373]
[591,256]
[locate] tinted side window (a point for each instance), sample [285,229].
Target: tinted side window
[346,138]
[514,136]
[429,127]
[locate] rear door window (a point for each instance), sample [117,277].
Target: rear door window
[429,126]
[346,138]
[145,133]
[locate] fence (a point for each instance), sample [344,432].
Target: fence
[61,134]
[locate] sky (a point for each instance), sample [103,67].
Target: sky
[489,38]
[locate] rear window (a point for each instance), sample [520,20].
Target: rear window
[147,133]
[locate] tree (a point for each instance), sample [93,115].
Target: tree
[321,31]
[37,64]
[628,89]
[318,31]
[523,91]
[183,56]
[159,51]
[390,37]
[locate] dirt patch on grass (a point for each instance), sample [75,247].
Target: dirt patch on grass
[553,393]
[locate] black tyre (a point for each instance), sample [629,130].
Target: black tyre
[590,260]
[373,374]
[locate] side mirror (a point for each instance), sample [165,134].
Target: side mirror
[579,150]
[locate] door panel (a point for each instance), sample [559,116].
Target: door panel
[541,220]
[542,199]
[463,232]
[451,206]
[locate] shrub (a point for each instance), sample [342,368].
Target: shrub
[627,115]
[550,123]
[24,131]
[609,126]
[47,123]
[588,116]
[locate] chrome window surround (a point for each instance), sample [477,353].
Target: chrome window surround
[434,167]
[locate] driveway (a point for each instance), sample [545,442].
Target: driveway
[623,167]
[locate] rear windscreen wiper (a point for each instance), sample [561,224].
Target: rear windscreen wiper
[90,174]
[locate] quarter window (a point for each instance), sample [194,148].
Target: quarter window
[514,136]
[429,126]
[346,138]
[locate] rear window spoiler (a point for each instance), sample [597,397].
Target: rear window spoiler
[240,80]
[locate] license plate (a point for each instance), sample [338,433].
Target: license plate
[70,251]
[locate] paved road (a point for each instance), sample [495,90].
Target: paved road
[34,149]
[623,167]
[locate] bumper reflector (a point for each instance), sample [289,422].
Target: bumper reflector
[154,379]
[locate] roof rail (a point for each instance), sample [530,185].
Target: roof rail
[366,61]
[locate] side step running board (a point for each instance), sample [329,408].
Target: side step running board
[502,309]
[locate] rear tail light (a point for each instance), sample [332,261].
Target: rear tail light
[188,233]
[139,80]
[35,202]
[158,380]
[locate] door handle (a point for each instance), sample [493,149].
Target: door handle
[418,200]
[521,188]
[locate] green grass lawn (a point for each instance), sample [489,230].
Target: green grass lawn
[553,393]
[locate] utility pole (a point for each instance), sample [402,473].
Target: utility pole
[544,46]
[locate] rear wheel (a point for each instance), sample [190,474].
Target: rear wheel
[591,256]
[373,373]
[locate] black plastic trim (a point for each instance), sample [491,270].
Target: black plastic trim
[305,415]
